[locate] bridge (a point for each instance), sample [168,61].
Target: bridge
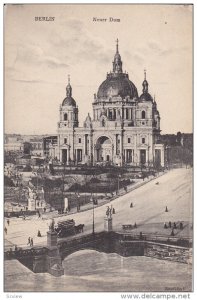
[49,258]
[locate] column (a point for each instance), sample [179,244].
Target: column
[76,155]
[114,114]
[90,147]
[116,144]
[135,149]
[85,144]
[121,147]
[68,154]
[162,157]
[133,115]
[73,145]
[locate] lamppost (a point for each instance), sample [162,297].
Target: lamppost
[148,161]
[62,199]
[78,202]
[168,156]
[94,202]
[92,214]
[118,183]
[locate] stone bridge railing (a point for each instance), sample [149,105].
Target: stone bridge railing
[49,259]
[22,253]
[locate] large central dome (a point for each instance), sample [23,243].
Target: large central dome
[117,82]
[117,85]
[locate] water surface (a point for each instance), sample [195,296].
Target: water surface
[89,270]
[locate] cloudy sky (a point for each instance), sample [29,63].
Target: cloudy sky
[40,55]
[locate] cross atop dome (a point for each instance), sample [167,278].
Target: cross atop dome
[117,63]
[117,46]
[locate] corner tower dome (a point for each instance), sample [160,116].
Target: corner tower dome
[117,82]
[145,95]
[69,101]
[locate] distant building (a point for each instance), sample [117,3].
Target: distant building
[36,147]
[178,148]
[49,144]
[125,128]
[15,147]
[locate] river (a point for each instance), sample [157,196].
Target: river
[89,270]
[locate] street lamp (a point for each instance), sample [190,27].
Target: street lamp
[78,202]
[118,183]
[92,214]
[94,202]
[148,159]
[168,156]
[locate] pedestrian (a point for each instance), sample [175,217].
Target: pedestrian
[170,224]
[141,236]
[39,233]
[15,248]
[44,209]
[113,211]
[181,225]
[174,225]
[8,222]
[131,205]
[6,231]
[165,226]
[29,241]
[172,232]
[135,225]
[166,210]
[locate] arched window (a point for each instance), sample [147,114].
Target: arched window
[65,117]
[143,114]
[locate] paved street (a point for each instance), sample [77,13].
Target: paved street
[149,201]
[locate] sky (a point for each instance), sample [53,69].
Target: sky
[39,55]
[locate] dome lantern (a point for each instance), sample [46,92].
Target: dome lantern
[69,88]
[145,84]
[117,63]
[69,101]
[117,83]
[145,94]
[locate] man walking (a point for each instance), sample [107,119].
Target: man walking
[31,242]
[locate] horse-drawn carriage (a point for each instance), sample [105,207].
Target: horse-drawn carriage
[68,228]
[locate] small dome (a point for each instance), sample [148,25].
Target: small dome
[69,101]
[146,97]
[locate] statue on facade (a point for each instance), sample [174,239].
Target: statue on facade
[109,212]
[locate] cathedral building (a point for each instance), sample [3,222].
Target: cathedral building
[124,129]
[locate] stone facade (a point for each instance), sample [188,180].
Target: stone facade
[125,128]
